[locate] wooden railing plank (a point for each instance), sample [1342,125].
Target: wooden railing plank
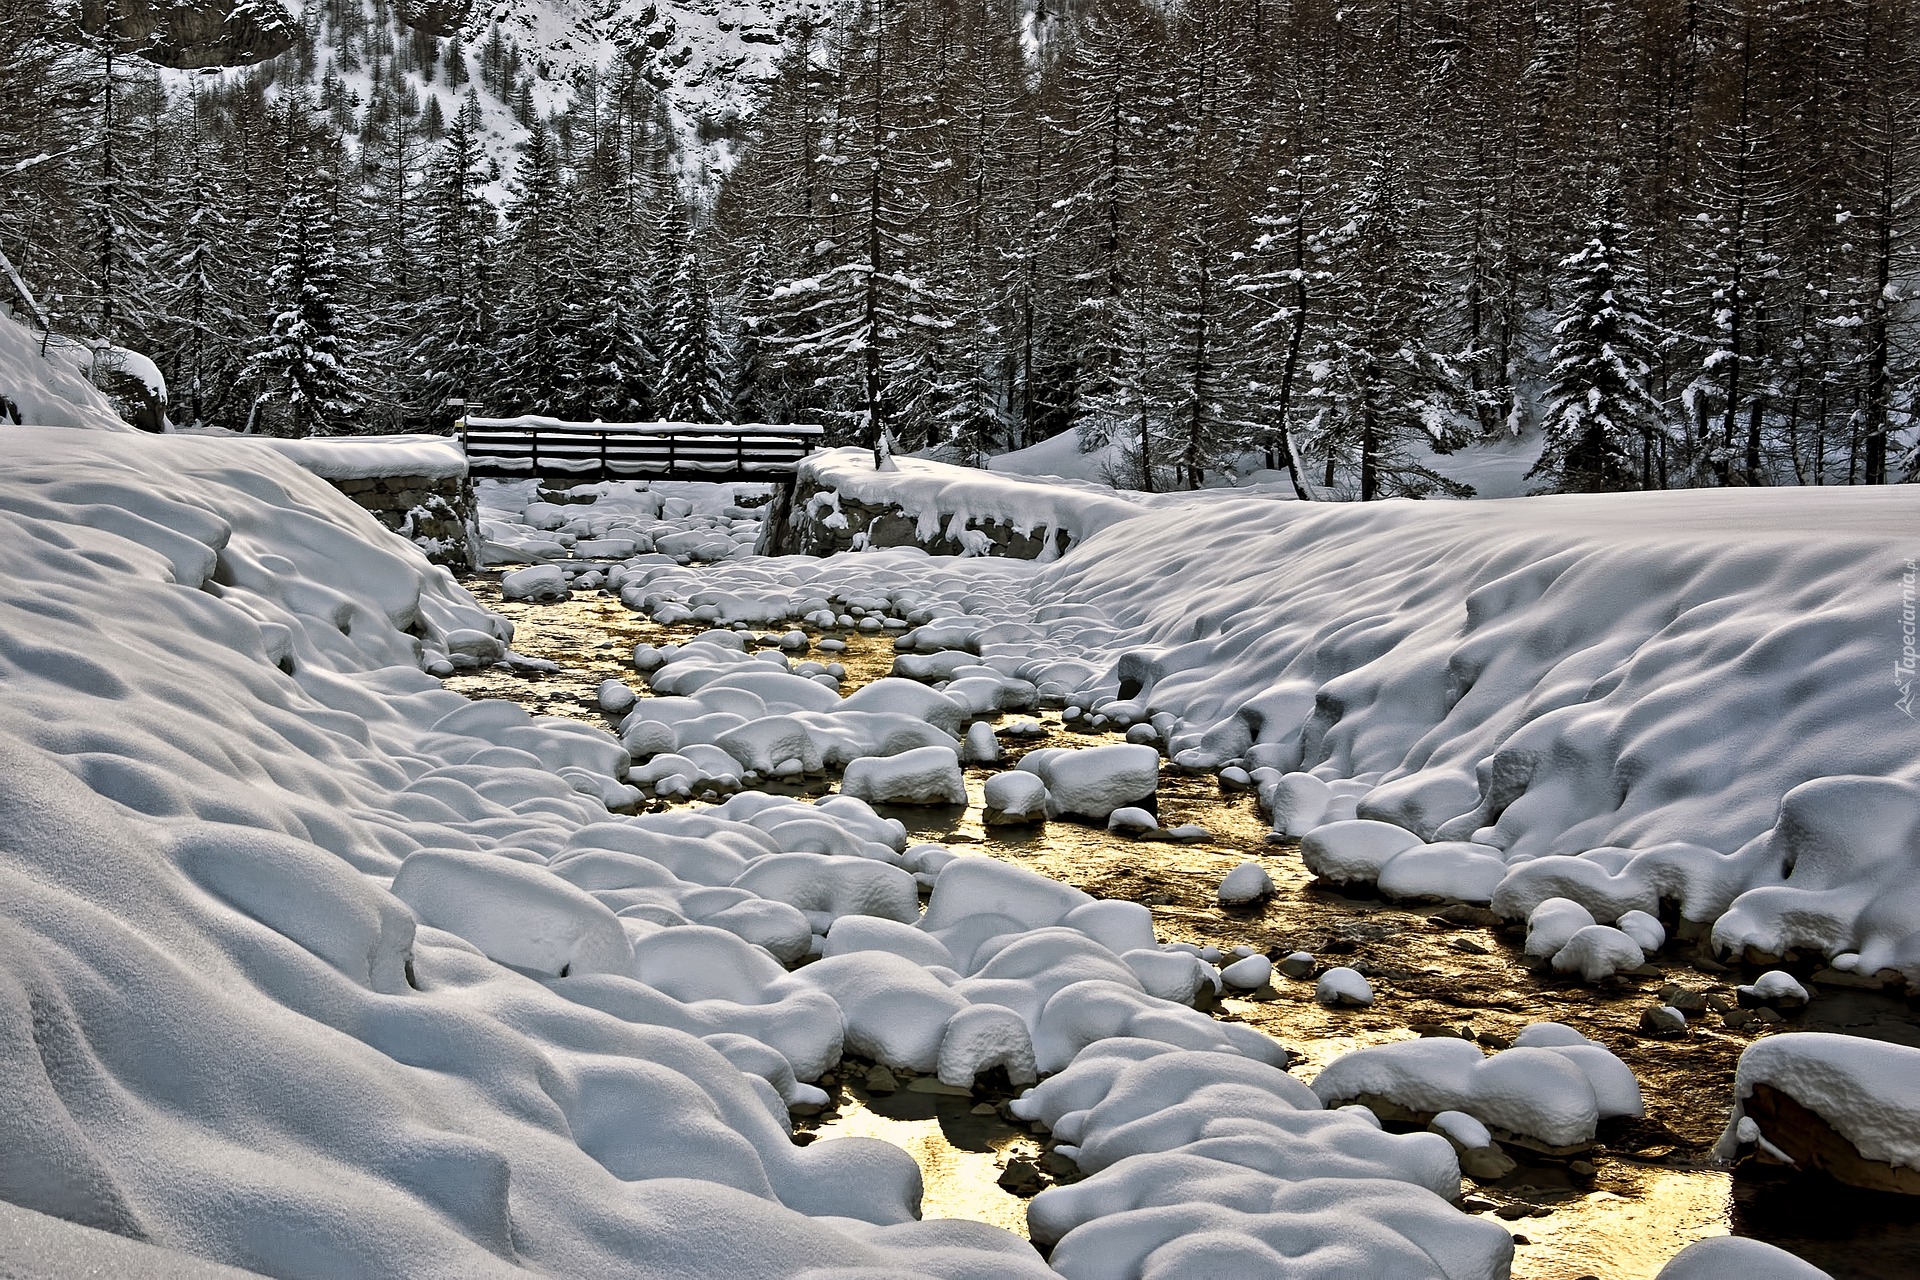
[524,447]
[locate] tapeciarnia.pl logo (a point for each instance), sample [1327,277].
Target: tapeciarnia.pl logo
[1903,667]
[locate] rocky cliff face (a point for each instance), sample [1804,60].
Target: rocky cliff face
[190,34]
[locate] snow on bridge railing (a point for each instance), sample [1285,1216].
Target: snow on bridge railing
[535,422]
[533,445]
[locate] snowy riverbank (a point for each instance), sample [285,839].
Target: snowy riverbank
[296,936]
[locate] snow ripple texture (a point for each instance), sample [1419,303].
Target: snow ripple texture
[227,1031]
[1628,700]
[307,964]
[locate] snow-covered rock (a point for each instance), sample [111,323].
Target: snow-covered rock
[1091,782]
[925,776]
[543,583]
[1737,1258]
[1775,987]
[1248,882]
[1343,987]
[1844,1105]
[1014,798]
[1552,1094]
[1598,951]
[1248,974]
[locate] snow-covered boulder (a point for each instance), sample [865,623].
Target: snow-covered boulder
[1248,882]
[542,583]
[1549,1094]
[1341,987]
[1091,782]
[1014,799]
[1842,1105]
[925,776]
[1598,951]
[1737,1258]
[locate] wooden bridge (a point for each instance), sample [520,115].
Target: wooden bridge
[522,448]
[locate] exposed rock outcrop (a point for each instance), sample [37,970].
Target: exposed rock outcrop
[194,33]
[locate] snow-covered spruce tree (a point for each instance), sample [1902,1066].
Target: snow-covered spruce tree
[533,369]
[1740,196]
[201,330]
[756,393]
[1281,275]
[692,381]
[1600,422]
[458,246]
[1380,386]
[1112,112]
[612,359]
[117,210]
[394,286]
[1211,156]
[302,368]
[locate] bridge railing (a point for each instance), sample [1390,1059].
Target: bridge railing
[514,448]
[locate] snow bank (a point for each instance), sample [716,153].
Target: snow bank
[1628,700]
[371,457]
[51,390]
[945,499]
[221,1029]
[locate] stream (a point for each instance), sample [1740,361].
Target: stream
[1618,1214]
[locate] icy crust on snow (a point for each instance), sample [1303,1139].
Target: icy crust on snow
[227,1031]
[371,457]
[1681,690]
[1868,1090]
[945,499]
[51,390]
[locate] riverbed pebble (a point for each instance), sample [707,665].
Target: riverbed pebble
[1248,882]
[1341,987]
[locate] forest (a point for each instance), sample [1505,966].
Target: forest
[1672,237]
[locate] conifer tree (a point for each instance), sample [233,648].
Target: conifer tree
[692,382]
[1383,387]
[533,354]
[1599,419]
[302,367]
[458,247]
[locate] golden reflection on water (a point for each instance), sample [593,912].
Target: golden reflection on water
[960,1164]
[1628,1227]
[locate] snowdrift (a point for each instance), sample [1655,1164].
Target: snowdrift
[310,966]
[50,390]
[1696,693]
[220,1032]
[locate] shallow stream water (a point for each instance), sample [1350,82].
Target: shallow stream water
[1647,1191]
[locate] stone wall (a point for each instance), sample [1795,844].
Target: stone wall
[810,527]
[435,513]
